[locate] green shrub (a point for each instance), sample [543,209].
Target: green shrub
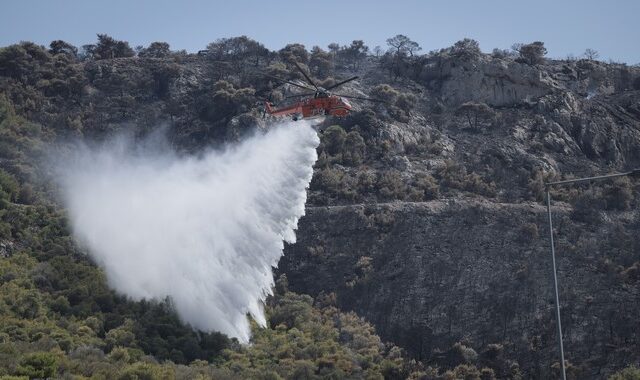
[406,102]
[61,305]
[529,232]
[426,187]
[618,195]
[26,196]
[455,176]
[9,186]
[391,185]
[463,371]
[629,373]
[140,371]
[466,49]
[334,139]
[532,53]
[353,152]
[121,336]
[385,93]
[335,183]
[40,365]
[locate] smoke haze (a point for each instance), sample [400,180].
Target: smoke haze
[204,231]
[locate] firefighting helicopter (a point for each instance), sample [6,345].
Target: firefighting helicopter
[318,101]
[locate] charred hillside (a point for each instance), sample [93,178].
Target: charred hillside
[424,216]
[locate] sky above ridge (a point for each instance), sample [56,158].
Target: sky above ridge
[566,27]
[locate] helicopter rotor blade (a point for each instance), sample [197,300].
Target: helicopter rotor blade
[306,76]
[299,95]
[362,98]
[289,82]
[341,83]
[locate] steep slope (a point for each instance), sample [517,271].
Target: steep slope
[433,274]
[424,214]
[474,266]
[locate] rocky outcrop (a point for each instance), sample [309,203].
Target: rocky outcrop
[501,82]
[493,81]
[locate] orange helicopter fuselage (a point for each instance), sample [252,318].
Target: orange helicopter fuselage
[318,106]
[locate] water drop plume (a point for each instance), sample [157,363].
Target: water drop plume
[204,231]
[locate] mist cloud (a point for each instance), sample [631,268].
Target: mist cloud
[204,231]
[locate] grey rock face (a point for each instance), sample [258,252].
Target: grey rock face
[492,81]
[504,82]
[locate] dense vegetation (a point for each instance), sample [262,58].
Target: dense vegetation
[59,318]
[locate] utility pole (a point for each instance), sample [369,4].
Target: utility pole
[547,186]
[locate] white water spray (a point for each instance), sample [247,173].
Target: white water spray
[204,231]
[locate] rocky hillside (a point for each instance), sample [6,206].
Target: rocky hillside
[441,239]
[425,213]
